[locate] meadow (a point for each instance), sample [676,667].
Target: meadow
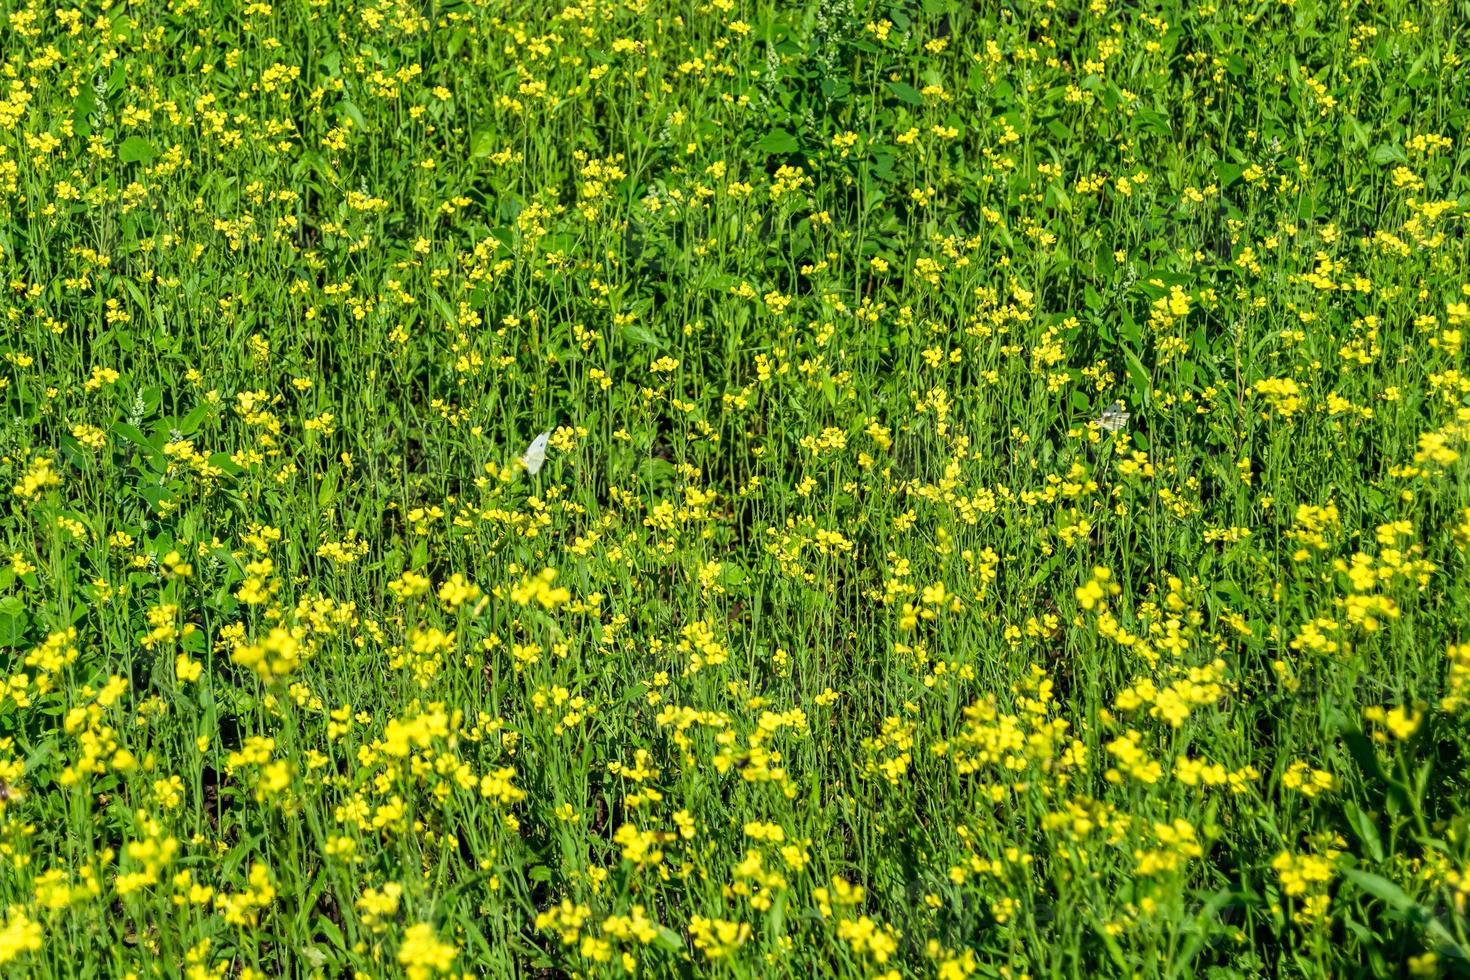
[1004,510]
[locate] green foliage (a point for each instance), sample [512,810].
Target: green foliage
[1006,509]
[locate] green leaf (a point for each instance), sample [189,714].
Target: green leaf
[40,755]
[669,939]
[1130,330]
[355,114]
[655,472]
[135,149]
[117,80]
[194,419]
[224,462]
[1386,153]
[1358,131]
[1361,749]
[135,435]
[777,141]
[1060,131]
[732,575]
[482,143]
[906,93]
[1228,173]
[1200,933]
[1382,889]
[1044,572]
[14,621]
[637,333]
[83,107]
[326,494]
[442,307]
[1143,389]
[776,917]
[1364,827]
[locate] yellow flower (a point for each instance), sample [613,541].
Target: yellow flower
[18,936]
[1300,873]
[39,477]
[866,936]
[717,937]
[423,953]
[186,669]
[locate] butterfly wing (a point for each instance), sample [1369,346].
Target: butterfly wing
[1113,417]
[535,455]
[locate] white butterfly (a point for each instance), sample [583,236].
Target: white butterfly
[535,455]
[1113,418]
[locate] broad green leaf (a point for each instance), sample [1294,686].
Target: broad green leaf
[777,141]
[637,333]
[136,149]
[1381,888]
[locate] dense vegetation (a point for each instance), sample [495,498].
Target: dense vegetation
[1006,510]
